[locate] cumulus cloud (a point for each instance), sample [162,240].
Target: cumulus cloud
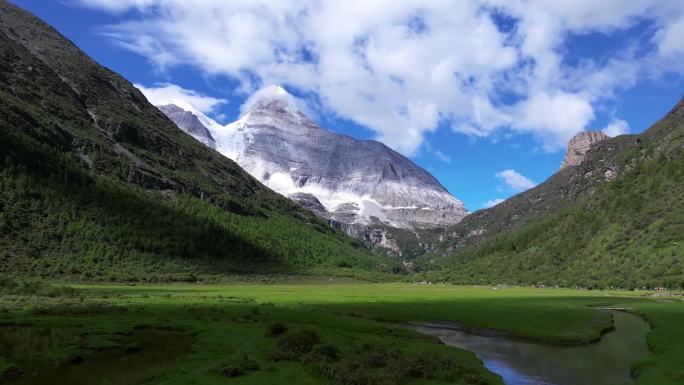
[403,69]
[616,127]
[670,40]
[166,93]
[554,119]
[492,203]
[515,180]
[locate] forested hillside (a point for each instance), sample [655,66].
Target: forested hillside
[626,231]
[97,183]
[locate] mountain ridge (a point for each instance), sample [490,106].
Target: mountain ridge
[194,127]
[614,218]
[359,183]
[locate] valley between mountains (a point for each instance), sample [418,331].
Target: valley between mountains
[150,244]
[374,194]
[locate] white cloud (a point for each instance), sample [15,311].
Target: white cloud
[670,40]
[616,127]
[492,203]
[403,68]
[515,180]
[443,157]
[114,5]
[170,93]
[554,119]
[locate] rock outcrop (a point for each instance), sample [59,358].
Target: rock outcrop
[579,145]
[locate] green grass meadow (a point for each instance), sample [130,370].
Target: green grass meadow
[232,327]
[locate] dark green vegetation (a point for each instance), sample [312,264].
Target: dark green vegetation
[97,184]
[132,357]
[319,334]
[581,227]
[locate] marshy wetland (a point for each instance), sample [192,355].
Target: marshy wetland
[336,334]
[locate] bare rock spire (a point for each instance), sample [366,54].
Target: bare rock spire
[579,145]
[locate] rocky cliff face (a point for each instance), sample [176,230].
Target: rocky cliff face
[579,145]
[350,181]
[190,122]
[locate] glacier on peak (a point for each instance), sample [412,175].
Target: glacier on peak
[357,182]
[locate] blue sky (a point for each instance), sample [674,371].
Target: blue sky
[483,94]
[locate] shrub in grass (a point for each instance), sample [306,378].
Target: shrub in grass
[292,346]
[320,356]
[328,352]
[241,368]
[375,365]
[351,371]
[68,307]
[276,329]
[348,373]
[420,365]
[247,364]
[34,287]
[375,356]
[229,371]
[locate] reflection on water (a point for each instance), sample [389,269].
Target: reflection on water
[525,363]
[139,356]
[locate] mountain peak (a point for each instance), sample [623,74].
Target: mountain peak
[352,182]
[274,97]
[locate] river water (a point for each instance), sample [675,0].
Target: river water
[606,362]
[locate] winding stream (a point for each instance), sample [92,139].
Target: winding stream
[527,363]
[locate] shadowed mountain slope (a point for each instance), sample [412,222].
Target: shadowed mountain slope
[97,182]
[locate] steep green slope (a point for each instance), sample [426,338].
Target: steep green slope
[95,182]
[626,231]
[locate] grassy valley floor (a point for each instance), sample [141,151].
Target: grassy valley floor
[332,333]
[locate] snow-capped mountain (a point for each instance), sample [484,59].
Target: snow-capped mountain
[350,181]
